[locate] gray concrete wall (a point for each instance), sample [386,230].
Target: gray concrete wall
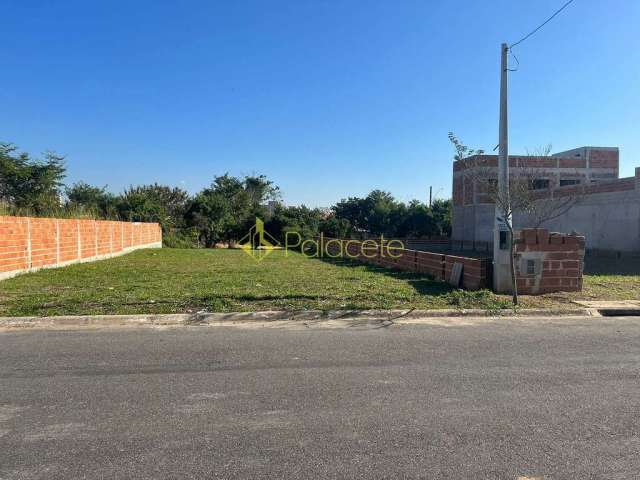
[473,223]
[609,221]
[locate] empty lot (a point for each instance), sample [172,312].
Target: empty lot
[173,280]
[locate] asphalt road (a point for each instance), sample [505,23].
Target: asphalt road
[558,400]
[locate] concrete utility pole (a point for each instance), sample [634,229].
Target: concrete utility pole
[501,250]
[503,149]
[430,191]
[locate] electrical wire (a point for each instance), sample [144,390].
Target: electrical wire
[541,25]
[517,62]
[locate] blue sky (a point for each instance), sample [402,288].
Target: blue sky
[327,98]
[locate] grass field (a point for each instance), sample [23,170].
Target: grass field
[172,280]
[611,279]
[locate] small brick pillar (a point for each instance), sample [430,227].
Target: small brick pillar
[548,262]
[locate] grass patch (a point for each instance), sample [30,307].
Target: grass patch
[176,280]
[489,301]
[611,279]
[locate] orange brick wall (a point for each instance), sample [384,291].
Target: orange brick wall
[28,243]
[68,238]
[476,272]
[560,260]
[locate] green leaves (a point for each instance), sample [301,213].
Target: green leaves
[462,151]
[379,213]
[225,211]
[30,184]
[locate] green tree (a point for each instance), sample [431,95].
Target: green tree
[418,221]
[384,213]
[441,211]
[228,208]
[30,184]
[306,221]
[376,214]
[336,227]
[379,213]
[97,201]
[354,211]
[211,214]
[154,203]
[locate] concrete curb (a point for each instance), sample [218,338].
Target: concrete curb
[202,318]
[613,308]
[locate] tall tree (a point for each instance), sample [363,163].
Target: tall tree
[30,184]
[227,209]
[352,210]
[303,220]
[154,203]
[441,212]
[96,201]
[418,221]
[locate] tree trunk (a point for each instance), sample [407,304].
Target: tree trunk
[514,283]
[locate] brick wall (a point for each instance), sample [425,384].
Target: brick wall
[557,261]
[604,158]
[28,244]
[476,272]
[548,262]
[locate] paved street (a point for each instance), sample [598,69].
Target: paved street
[558,399]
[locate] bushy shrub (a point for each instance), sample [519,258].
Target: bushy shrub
[181,238]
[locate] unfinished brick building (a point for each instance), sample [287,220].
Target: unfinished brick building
[607,212]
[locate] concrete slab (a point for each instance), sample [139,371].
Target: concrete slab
[613,308]
[608,304]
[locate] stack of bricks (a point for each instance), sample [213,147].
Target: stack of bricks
[548,262]
[476,272]
[28,244]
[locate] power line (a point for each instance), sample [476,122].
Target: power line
[517,61]
[542,24]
